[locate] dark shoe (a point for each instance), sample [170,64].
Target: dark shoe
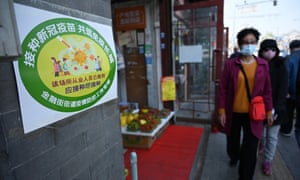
[233,163]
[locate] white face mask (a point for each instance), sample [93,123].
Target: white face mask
[248,49]
[268,55]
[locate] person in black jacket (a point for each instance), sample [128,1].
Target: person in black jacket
[293,61]
[297,124]
[279,80]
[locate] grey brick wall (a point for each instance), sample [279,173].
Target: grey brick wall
[86,146]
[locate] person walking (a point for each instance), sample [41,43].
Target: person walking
[278,73]
[235,53]
[297,124]
[233,102]
[292,64]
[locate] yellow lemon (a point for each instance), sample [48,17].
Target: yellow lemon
[143,121]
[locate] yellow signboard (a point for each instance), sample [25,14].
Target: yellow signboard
[168,88]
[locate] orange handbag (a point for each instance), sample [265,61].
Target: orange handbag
[257,110]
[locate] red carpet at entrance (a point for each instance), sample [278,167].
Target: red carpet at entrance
[170,157]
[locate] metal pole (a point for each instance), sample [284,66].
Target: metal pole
[133,160]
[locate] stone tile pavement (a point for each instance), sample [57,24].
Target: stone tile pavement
[211,161]
[290,153]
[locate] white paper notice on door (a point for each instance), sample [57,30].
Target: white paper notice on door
[190,54]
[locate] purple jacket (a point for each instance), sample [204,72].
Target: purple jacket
[228,86]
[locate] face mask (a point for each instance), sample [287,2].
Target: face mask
[248,49]
[268,55]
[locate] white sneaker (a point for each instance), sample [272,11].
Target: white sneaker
[286,134]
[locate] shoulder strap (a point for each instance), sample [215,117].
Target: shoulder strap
[246,82]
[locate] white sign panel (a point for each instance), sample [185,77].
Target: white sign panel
[68,66]
[190,54]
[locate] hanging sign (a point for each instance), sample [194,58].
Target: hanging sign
[130,18]
[68,65]
[190,54]
[168,88]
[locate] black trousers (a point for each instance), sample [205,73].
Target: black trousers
[287,124]
[247,152]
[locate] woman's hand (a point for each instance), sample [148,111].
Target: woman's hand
[270,120]
[222,119]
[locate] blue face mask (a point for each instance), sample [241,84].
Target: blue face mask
[248,49]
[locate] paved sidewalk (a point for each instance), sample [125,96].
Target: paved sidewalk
[216,163]
[211,161]
[290,152]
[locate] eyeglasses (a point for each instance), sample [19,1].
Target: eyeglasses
[269,49]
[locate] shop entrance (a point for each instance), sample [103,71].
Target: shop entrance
[196,50]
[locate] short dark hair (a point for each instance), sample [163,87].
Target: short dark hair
[244,32]
[295,44]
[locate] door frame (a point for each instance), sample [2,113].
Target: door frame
[221,42]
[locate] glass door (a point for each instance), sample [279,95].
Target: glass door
[195,47]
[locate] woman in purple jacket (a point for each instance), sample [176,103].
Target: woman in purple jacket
[233,102]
